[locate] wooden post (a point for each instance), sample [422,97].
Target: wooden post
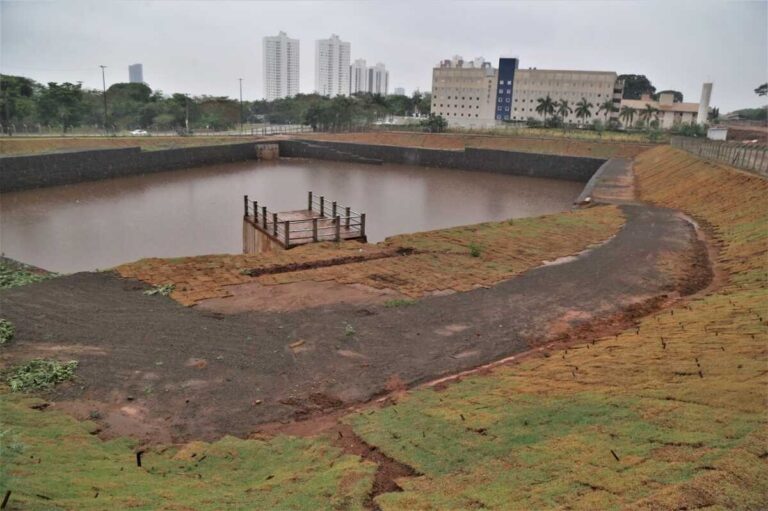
[362,225]
[309,201]
[274,224]
[286,227]
[333,208]
[264,216]
[314,229]
[256,212]
[322,206]
[347,211]
[245,205]
[338,227]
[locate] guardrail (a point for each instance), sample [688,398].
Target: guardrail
[751,158]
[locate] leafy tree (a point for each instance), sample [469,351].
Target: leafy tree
[606,107]
[434,124]
[17,104]
[762,90]
[545,107]
[584,109]
[627,115]
[714,115]
[678,96]
[62,104]
[635,86]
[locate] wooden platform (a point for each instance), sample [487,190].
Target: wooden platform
[322,221]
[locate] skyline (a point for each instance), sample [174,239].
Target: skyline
[677,45]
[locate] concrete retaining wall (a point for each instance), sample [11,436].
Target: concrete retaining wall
[36,171]
[570,168]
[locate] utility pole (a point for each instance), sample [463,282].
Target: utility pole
[241,105]
[104,87]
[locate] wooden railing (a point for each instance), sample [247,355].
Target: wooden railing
[752,158]
[325,221]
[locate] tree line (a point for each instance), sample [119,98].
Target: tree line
[27,106]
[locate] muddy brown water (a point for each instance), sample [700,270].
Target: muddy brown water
[101,224]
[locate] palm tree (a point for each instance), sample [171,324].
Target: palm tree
[545,107]
[606,107]
[564,109]
[627,115]
[583,109]
[648,113]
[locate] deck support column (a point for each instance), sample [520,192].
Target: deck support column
[322,206]
[314,229]
[309,201]
[274,225]
[337,220]
[245,205]
[333,209]
[346,212]
[362,225]
[256,212]
[286,227]
[264,216]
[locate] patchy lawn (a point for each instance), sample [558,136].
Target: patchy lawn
[665,416]
[51,461]
[456,259]
[35,145]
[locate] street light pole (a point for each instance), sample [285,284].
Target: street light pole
[241,105]
[104,87]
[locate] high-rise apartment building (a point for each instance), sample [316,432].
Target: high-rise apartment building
[399,91]
[358,77]
[281,66]
[473,93]
[332,67]
[135,73]
[378,79]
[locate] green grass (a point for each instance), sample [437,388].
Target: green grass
[48,454]
[7,331]
[40,374]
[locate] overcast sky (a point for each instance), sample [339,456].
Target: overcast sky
[203,47]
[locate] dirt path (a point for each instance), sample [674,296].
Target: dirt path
[155,370]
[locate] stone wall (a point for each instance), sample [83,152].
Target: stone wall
[553,166]
[42,170]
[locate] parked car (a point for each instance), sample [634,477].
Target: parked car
[139,133]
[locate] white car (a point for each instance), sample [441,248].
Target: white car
[139,133]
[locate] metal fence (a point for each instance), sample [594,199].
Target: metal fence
[752,158]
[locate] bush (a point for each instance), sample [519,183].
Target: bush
[554,122]
[532,122]
[7,331]
[164,290]
[474,250]
[40,374]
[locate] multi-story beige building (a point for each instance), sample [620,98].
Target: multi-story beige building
[667,111]
[332,66]
[596,87]
[464,93]
[475,94]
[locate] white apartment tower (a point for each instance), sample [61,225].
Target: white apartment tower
[281,66]
[358,77]
[378,79]
[135,73]
[332,67]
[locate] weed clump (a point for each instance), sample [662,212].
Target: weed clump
[399,302]
[164,290]
[474,250]
[17,274]
[7,330]
[40,374]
